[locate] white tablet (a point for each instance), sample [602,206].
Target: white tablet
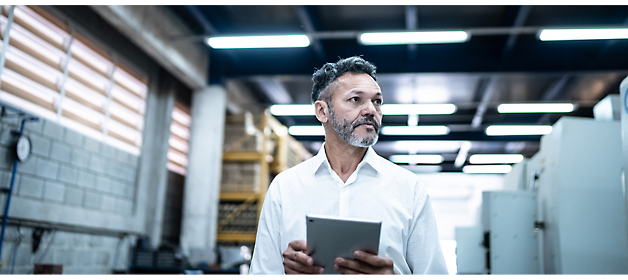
[331,237]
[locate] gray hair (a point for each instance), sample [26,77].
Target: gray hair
[327,74]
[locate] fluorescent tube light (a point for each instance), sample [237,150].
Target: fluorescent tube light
[486,169]
[254,42]
[583,34]
[404,37]
[292,110]
[495,158]
[306,130]
[420,109]
[413,159]
[504,130]
[423,168]
[535,108]
[415,130]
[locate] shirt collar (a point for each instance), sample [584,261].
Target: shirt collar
[370,158]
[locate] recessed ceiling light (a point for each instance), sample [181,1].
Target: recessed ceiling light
[407,37]
[254,42]
[535,108]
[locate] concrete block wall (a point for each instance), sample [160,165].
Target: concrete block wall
[79,253]
[73,179]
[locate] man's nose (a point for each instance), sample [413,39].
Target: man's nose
[370,109]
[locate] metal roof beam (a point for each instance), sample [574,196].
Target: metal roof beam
[522,15]
[485,89]
[208,28]
[412,19]
[306,22]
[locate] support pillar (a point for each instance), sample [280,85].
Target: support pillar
[202,184]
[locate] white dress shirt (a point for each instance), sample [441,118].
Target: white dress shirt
[376,190]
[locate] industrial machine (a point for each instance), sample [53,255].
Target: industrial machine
[574,190]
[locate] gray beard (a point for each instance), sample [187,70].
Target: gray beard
[346,131]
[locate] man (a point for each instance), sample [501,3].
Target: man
[348,179]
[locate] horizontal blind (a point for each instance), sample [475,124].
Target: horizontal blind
[179,139]
[56,73]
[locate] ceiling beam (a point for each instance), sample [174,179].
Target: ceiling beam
[554,92]
[485,88]
[308,26]
[274,90]
[412,23]
[522,15]
[208,28]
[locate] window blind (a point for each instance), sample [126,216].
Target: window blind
[53,71]
[179,139]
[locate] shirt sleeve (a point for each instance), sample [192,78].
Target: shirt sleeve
[267,255]
[424,254]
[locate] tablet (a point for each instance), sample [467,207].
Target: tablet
[330,237]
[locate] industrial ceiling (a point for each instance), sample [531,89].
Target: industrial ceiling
[502,62]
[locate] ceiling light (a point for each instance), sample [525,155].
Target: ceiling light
[292,110]
[583,34]
[254,42]
[422,37]
[420,109]
[503,130]
[536,108]
[306,130]
[423,168]
[496,158]
[413,159]
[415,130]
[486,169]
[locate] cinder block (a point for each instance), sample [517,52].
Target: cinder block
[28,167]
[133,160]
[34,126]
[79,240]
[7,157]
[95,241]
[86,179]
[117,188]
[122,156]
[107,150]
[60,151]
[110,242]
[64,257]
[73,138]
[111,168]
[54,191]
[73,196]
[40,145]
[130,175]
[103,184]
[108,203]
[23,255]
[10,121]
[6,138]
[31,187]
[96,163]
[102,258]
[67,174]
[129,191]
[60,238]
[47,169]
[83,258]
[123,206]
[91,144]
[53,130]
[92,200]
[80,157]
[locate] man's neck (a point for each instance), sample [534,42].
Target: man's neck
[343,157]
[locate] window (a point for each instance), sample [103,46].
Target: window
[54,72]
[179,137]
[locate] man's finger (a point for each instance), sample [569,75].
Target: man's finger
[358,266]
[372,259]
[298,257]
[298,245]
[300,268]
[344,270]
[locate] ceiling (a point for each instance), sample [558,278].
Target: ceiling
[504,61]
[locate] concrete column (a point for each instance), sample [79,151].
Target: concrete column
[202,184]
[152,178]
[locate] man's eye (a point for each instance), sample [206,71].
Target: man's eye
[355,98]
[378,101]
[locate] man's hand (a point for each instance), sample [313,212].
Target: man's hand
[296,260]
[364,263]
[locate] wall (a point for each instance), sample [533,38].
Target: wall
[73,180]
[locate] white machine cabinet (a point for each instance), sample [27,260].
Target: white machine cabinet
[508,217]
[623,100]
[580,198]
[470,254]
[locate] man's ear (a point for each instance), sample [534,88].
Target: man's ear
[321,110]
